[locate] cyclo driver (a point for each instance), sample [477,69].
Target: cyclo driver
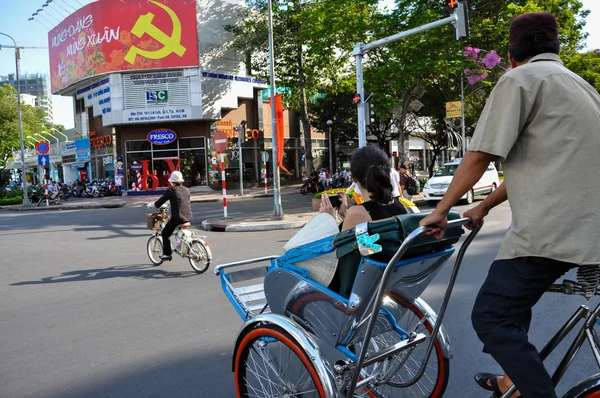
[181,211]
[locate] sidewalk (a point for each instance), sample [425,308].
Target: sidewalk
[111,202]
[265,221]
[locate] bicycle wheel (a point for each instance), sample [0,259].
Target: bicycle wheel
[271,364]
[199,258]
[155,250]
[403,366]
[587,388]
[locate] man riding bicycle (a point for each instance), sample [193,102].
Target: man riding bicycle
[181,210]
[541,121]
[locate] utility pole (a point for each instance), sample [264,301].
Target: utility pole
[277,209]
[18,71]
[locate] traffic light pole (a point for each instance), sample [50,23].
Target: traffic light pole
[458,18]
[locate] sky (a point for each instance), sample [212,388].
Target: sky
[13,21]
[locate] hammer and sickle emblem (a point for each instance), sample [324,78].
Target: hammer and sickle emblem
[171,44]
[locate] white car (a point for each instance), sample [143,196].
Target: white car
[436,186]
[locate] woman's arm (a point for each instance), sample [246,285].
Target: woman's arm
[161,201]
[354,216]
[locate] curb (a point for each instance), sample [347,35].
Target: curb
[223,226]
[76,207]
[232,198]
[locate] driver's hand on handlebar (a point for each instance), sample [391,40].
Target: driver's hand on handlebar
[150,205]
[476,214]
[438,222]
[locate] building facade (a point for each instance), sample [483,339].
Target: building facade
[142,112]
[33,84]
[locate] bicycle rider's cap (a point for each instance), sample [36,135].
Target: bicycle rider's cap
[176,176]
[544,21]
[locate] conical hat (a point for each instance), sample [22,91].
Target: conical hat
[322,268]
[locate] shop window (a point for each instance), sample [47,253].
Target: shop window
[132,158]
[172,145]
[165,154]
[137,146]
[196,142]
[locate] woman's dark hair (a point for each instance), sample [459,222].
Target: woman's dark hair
[534,42]
[371,168]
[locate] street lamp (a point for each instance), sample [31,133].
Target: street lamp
[53,136]
[17,58]
[42,137]
[60,132]
[329,124]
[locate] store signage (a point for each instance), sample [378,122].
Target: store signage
[158,115]
[161,136]
[99,141]
[245,79]
[156,78]
[155,97]
[116,35]
[82,148]
[67,148]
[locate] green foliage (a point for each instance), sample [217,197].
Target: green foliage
[17,200]
[313,41]
[586,65]
[337,108]
[33,122]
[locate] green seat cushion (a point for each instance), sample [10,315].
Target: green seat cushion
[392,233]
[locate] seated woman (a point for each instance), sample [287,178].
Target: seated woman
[370,168]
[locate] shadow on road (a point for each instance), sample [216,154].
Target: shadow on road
[137,271]
[201,374]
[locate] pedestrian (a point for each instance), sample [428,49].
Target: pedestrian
[404,177]
[395,180]
[181,210]
[541,120]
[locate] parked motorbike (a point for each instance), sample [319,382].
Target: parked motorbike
[310,185]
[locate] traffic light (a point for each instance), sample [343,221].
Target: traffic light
[355,99]
[461,26]
[451,3]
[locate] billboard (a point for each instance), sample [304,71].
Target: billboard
[115,35]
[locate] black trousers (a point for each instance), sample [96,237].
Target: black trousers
[502,315]
[166,233]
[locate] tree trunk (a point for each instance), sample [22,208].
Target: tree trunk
[436,153]
[304,112]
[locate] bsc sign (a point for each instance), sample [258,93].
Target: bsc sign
[157,96]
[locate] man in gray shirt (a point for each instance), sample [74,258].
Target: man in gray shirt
[543,122]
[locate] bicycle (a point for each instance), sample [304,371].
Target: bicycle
[302,339]
[588,280]
[187,243]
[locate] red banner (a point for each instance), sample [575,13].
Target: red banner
[115,35]
[279,130]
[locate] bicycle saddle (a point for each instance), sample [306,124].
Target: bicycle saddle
[184,225]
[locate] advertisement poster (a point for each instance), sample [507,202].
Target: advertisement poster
[115,35]
[82,148]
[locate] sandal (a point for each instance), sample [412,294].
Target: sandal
[483,378]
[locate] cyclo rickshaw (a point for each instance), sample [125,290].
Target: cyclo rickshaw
[377,339]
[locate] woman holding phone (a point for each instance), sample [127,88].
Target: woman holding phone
[370,168]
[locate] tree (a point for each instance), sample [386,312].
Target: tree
[338,109]
[382,127]
[586,65]
[33,122]
[313,40]
[403,71]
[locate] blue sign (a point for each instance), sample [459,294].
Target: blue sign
[82,149]
[44,160]
[161,136]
